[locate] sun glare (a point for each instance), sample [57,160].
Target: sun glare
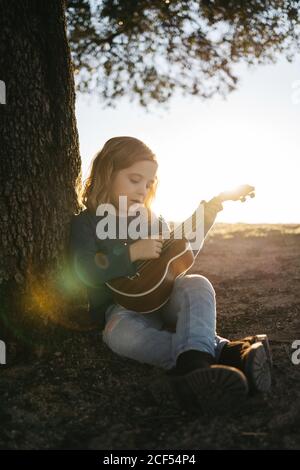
[193,168]
[206,148]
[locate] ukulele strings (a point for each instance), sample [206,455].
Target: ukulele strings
[166,244]
[142,266]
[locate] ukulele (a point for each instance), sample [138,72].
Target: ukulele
[151,286]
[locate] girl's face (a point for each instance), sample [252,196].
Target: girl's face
[133,182]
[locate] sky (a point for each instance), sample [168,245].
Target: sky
[206,147]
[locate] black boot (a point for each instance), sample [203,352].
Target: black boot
[252,358]
[199,383]
[192,359]
[263,338]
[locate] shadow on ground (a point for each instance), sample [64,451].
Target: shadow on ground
[86,397]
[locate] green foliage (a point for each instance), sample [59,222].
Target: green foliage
[146,49]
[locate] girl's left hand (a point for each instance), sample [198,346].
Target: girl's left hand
[238,193]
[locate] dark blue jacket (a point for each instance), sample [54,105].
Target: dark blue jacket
[96,261]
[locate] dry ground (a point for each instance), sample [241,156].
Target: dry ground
[84,396]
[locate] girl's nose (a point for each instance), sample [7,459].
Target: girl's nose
[143,191]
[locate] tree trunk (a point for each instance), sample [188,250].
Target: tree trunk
[39,168]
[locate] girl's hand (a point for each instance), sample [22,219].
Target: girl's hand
[238,193]
[148,248]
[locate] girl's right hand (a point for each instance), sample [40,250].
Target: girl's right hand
[148,248]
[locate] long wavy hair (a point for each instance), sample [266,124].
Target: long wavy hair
[117,154]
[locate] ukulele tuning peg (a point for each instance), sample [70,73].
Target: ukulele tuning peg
[243,199]
[252,194]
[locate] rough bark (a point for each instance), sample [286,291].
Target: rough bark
[39,165]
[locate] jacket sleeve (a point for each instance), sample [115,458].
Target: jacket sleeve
[210,211]
[92,265]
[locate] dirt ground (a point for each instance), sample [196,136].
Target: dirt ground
[85,397]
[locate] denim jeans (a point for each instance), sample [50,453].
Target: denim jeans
[191,309]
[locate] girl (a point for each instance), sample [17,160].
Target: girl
[180,337]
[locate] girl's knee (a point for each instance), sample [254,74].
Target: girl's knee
[108,331]
[195,281]
[121,332]
[112,322]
